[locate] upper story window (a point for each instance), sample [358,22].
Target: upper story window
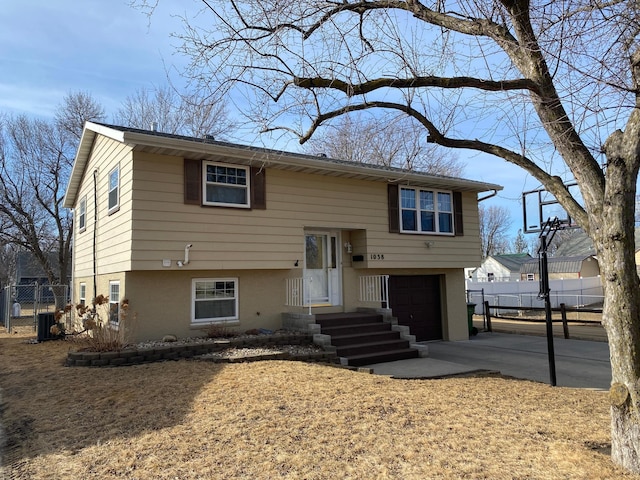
[426,211]
[82,214]
[114,189]
[226,185]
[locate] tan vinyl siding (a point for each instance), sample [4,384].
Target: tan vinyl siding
[113,231]
[273,238]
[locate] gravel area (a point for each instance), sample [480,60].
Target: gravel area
[240,352]
[196,340]
[258,351]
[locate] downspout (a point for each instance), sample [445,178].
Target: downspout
[95,232]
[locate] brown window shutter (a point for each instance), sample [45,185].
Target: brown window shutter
[394,208]
[258,189]
[457,214]
[192,182]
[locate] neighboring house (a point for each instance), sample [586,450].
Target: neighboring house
[195,232]
[577,244]
[581,244]
[581,266]
[29,274]
[29,270]
[501,268]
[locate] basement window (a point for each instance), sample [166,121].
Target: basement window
[114,302]
[214,300]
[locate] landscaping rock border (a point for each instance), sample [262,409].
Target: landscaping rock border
[163,352]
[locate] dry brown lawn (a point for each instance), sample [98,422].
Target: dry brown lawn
[278,419]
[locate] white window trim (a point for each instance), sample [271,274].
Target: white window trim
[82,296]
[435,192]
[116,207]
[221,204]
[208,321]
[113,283]
[82,214]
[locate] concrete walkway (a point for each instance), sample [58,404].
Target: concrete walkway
[579,363]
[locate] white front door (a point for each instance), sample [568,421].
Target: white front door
[322,268]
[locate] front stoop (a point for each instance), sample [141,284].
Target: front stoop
[362,338]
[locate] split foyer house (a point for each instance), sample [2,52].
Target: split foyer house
[195,232]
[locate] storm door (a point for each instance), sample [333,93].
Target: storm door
[322,268]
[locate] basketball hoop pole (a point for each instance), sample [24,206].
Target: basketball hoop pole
[549,229]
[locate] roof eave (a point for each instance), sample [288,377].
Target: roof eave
[252,155]
[280,158]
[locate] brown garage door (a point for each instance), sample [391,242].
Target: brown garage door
[415,302]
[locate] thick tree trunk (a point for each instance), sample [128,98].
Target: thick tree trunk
[615,245]
[621,320]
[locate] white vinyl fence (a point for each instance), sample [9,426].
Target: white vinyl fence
[580,292]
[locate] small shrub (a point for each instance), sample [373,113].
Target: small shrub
[216,330]
[101,333]
[62,317]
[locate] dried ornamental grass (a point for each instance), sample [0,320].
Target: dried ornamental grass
[276,419]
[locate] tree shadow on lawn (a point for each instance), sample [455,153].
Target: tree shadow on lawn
[48,408]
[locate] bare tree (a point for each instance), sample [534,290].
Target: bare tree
[35,161]
[189,114]
[520,243]
[75,109]
[8,258]
[494,226]
[547,86]
[392,142]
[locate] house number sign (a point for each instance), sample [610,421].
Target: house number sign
[376,256]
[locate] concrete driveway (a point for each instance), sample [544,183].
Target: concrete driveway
[579,363]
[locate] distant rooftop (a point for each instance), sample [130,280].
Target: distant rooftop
[512,261]
[556,264]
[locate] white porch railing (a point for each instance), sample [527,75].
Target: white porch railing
[375,288]
[296,293]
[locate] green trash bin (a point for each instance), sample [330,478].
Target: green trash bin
[471,308]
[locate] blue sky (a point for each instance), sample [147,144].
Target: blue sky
[105,47]
[109,49]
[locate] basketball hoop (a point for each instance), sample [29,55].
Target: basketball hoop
[540,206]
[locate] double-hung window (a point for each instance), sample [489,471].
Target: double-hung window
[426,211]
[82,214]
[82,296]
[226,185]
[114,302]
[114,189]
[214,300]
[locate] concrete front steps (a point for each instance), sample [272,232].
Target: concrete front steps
[363,338]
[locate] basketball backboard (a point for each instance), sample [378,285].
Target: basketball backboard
[539,206]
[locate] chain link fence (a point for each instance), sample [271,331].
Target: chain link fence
[21,304]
